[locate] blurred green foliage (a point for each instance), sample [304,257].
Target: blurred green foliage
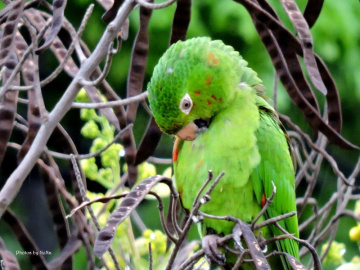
[335,256]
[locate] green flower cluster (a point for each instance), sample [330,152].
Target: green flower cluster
[105,168]
[335,254]
[158,242]
[98,128]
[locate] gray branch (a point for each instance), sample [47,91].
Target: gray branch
[16,179]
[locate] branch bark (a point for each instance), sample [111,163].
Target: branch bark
[16,179]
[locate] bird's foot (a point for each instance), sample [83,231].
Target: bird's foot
[237,233]
[261,241]
[210,246]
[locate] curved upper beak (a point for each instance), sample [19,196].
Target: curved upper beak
[189,132]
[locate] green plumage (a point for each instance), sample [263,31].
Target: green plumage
[245,138]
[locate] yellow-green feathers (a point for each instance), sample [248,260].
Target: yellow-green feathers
[242,135]
[204,69]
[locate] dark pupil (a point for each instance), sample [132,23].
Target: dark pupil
[186,105]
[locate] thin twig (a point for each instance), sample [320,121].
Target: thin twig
[71,48]
[276,238]
[265,207]
[317,263]
[173,209]
[162,219]
[90,202]
[16,179]
[197,255]
[275,90]
[150,257]
[193,212]
[90,155]
[146,107]
[312,181]
[110,104]
[200,265]
[274,220]
[208,180]
[9,81]
[91,212]
[328,157]
[157,160]
[240,260]
[105,72]
[138,221]
[118,186]
[155,6]
[320,213]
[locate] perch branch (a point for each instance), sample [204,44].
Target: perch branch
[196,205]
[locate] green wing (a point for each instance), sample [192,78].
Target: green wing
[276,166]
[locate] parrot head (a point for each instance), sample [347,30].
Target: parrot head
[190,85]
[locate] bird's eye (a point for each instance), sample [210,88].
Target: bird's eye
[186,104]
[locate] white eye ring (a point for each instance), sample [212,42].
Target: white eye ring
[186,104]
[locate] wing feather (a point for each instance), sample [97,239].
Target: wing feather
[276,166]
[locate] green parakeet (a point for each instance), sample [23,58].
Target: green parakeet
[203,92]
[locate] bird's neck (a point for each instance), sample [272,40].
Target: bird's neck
[241,104]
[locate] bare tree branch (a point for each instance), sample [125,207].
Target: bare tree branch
[14,182]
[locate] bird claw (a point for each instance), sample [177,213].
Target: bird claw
[237,233]
[213,254]
[261,241]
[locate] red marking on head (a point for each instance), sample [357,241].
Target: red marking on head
[176,150]
[197,93]
[175,125]
[214,61]
[209,102]
[213,97]
[208,80]
[211,57]
[200,164]
[263,200]
[220,99]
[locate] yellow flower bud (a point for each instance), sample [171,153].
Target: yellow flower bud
[355,233]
